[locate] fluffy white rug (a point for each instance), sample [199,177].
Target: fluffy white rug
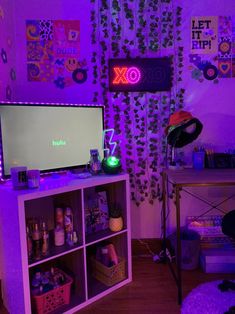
[208,299]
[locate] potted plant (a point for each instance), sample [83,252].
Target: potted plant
[115,218]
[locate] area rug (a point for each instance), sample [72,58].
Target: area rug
[208,299]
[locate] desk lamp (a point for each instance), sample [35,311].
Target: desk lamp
[182,130]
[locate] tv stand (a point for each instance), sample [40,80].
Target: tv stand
[18,206]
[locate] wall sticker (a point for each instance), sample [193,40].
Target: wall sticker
[53,52]
[212,47]
[204,34]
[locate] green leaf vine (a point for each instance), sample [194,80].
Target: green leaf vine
[134,29]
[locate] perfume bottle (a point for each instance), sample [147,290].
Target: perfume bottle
[45,240]
[95,163]
[36,236]
[68,225]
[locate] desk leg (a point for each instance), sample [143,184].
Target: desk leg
[164,182]
[178,252]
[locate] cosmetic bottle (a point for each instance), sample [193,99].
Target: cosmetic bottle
[68,225]
[45,240]
[59,217]
[59,236]
[75,237]
[69,239]
[113,258]
[68,220]
[36,236]
[36,283]
[29,243]
[104,256]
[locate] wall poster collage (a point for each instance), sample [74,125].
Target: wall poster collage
[53,52]
[212,47]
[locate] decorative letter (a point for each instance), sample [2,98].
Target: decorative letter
[120,76]
[133,75]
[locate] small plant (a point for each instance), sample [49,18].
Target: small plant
[115,218]
[115,211]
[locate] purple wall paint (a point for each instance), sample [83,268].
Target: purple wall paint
[7,60]
[7,51]
[54,10]
[212,103]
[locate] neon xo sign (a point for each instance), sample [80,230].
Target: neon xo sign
[125,75]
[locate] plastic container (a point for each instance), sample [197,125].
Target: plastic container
[190,248]
[53,299]
[199,160]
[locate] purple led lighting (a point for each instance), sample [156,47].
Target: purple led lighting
[133,75]
[47,103]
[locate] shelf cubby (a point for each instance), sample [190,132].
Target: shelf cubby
[18,207]
[72,264]
[120,243]
[112,192]
[43,209]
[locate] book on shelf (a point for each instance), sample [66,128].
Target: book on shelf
[96,212]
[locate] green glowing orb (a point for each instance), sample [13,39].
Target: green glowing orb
[113,161]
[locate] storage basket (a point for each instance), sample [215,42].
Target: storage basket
[53,299]
[109,275]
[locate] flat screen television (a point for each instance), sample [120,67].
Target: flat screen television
[49,137]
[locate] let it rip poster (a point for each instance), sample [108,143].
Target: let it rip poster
[204,35]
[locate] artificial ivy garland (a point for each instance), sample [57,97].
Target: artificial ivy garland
[130,29]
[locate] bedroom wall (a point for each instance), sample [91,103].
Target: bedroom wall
[7,51]
[47,91]
[212,103]
[7,59]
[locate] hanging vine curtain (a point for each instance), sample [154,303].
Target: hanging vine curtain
[130,29]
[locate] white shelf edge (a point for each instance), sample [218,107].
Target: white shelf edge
[55,256]
[107,237]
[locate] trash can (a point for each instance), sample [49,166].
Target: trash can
[190,248]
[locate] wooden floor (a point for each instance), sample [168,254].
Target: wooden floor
[152,291]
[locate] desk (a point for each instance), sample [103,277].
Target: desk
[179,179]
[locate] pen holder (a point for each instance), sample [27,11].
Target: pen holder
[198,160]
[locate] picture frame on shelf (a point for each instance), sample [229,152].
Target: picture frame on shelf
[96,212]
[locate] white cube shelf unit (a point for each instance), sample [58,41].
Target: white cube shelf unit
[18,206]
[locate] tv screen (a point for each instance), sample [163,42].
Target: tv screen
[49,137]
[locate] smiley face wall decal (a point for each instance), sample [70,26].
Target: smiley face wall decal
[71,64]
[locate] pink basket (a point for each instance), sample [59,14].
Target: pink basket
[52,300]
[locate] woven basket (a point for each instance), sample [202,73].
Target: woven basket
[109,275]
[52,300]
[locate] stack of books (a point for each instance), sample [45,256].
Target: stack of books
[217,250]
[209,228]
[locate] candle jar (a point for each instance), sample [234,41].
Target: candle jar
[33,178]
[19,177]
